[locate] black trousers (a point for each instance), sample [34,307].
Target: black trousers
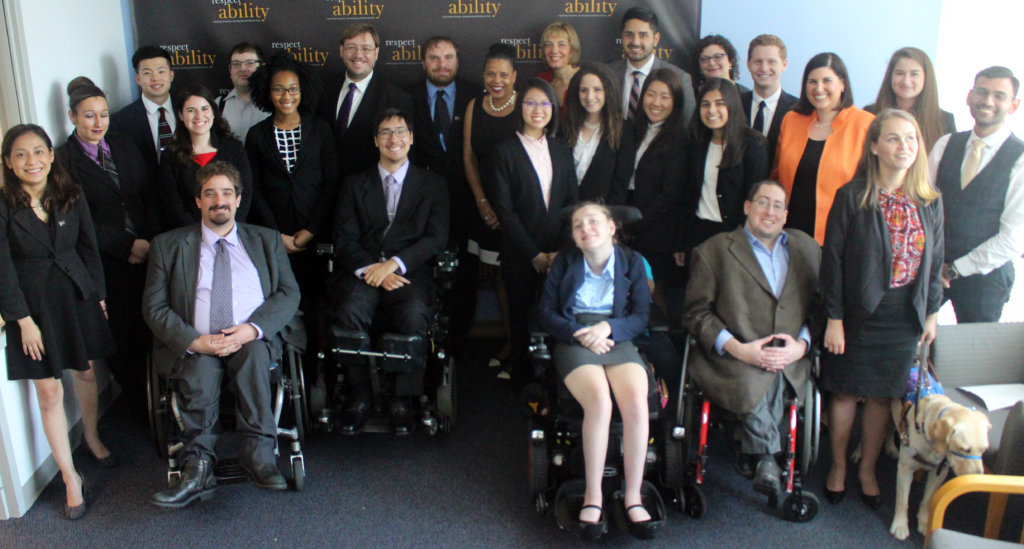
[199,383]
[406,311]
[980,298]
[125,283]
[522,285]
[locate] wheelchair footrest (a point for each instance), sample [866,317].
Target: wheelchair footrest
[402,353]
[349,344]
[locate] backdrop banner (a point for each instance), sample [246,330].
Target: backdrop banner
[199,34]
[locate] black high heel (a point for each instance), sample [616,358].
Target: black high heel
[76,512]
[834,496]
[592,531]
[873,502]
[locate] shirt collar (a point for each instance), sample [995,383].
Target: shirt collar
[152,107]
[541,141]
[361,85]
[994,139]
[646,68]
[609,268]
[91,149]
[449,90]
[399,174]
[754,242]
[771,99]
[210,238]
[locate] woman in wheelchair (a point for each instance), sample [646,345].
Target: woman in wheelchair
[595,300]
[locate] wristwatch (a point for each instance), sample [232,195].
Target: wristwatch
[952,273]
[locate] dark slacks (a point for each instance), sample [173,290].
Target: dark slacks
[980,298]
[125,283]
[199,384]
[522,285]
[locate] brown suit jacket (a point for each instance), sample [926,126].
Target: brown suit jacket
[728,290]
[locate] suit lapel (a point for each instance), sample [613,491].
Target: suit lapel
[189,258]
[740,248]
[32,225]
[524,162]
[368,103]
[86,164]
[254,247]
[271,143]
[409,199]
[373,198]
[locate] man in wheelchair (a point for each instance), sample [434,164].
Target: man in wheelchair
[217,295]
[751,295]
[390,223]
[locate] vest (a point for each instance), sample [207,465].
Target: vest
[972,214]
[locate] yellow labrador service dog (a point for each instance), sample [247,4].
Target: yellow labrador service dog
[937,435]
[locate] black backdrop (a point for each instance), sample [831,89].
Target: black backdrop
[199,34]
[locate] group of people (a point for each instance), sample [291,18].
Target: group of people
[769,222]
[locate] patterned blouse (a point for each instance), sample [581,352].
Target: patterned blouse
[906,233]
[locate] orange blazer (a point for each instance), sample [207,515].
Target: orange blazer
[838,160]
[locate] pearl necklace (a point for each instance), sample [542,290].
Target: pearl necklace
[512,99]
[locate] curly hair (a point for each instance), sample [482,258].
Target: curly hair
[309,84]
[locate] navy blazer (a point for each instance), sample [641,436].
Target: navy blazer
[631,303]
[304,198]
[133,194]
[28,252]
[528,227]
[418,233]
[176,183]
[856,262]
[785,104]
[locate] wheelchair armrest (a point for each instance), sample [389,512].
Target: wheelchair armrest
[447,261]
[324,249]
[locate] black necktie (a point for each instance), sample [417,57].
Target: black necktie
[345,110]
[442,122]
[759,117]
[107,163]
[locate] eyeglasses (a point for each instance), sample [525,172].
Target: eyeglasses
[279,91]
[532,104]
[353,49]
[249,64]
[705,59]
[400,133]
[765,204]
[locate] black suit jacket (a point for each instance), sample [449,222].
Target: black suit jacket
[134,194]
[658,194]
[133,121]
[303,199]
[785,104]
[176,183]
[856,261]
[168,303]
[733,185]
[418,233]
[608,174]
[356,150]
[427,151]
[28,252]
[528,228]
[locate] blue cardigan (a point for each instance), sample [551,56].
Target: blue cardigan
[630,307]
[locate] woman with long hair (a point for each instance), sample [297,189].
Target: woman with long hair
[602,142]
[881,279]
[725,157]
[909,84]
[119,191]
[595,302]
[201,136]
[562,53]
[51,294]
[820,143]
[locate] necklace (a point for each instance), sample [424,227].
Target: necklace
[511,99]
[591,126]
[821,126]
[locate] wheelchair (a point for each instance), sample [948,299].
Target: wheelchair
[387,354]
[690,433]
[288,406]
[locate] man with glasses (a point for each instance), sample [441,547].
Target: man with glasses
[981,175]
[236,106]
[751,297]
[390,222]
[351,100]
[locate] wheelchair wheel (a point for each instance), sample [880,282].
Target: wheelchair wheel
[800,507]
[446,399]
[538,471]
[159,414]
[298,394]
[299,474]
[810,437]
[696,503]
[673,466]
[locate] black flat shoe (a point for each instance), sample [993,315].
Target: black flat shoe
[642,529]
[592,531]
[834,496]
[76,512]
[108,462]
[873,502]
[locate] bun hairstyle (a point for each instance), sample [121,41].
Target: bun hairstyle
[80,89]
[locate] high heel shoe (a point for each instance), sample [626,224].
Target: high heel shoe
[76,512]
[834,496]
[873,502]
[108,462]
[591,531]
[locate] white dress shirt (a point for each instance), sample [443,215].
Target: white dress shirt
[1008,243]
[583,153]
[707,207]
[360,91]
[246,290]
[770,104]
[153,114]
[627,83]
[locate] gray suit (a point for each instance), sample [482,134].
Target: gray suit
[168,307]
[618,68]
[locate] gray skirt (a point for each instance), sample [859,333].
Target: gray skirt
[568,357]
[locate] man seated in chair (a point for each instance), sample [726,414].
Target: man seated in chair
[217,295]
[748,302]
[390,222]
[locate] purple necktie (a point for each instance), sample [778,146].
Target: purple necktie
[345,110]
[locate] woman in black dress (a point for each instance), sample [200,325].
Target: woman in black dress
[201,136]
[489,120]
[120,194]
[51,293]
[881,278]
[602,142]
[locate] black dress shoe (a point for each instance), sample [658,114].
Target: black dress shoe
[873,502]
[196,482]
[834,496]
[745,464]
[264,475]
[401,416]
[591,531]
[641,529]
[766,478]
[354,416]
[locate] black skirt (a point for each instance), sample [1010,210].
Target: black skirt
[877,362]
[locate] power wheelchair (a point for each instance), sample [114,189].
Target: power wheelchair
[690,433]
[289,407]
[389,353]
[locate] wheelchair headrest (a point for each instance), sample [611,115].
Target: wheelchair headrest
[623,216]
